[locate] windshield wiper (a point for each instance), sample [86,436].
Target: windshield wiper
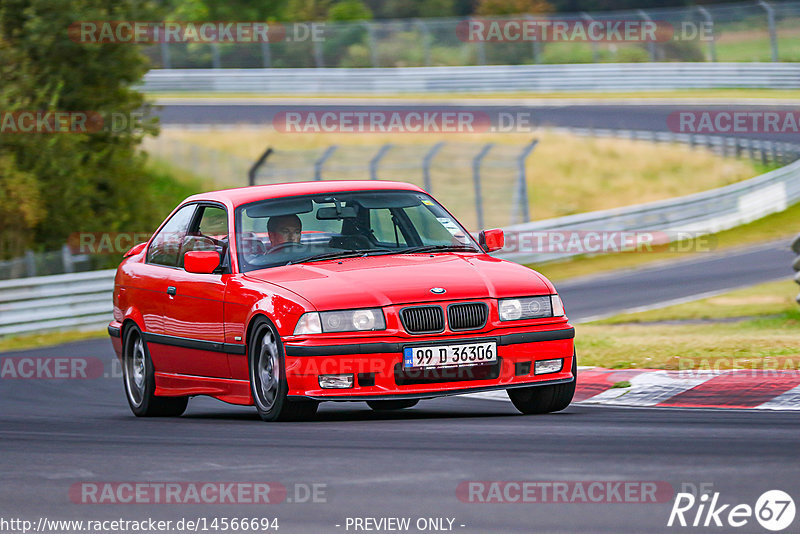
[439,248]
[340,254]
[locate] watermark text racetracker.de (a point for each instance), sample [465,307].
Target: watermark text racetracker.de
[57,367]
[735,121]
[565,491]
[576,30]
[149,32]
[425,119]
[70,122]
[569,241]
[176,493]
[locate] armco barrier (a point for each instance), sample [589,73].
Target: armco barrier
[796,264]
[701,213]
[83,300]
[484,79]
[60,302]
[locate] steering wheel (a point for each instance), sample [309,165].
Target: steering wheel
[283,246]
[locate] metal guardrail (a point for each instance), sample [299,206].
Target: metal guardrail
[796,264]
[484,79]
[66,301]
[700,213]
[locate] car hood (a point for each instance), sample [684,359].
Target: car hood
[404,278]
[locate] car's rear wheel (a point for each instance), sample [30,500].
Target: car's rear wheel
[268,377]
[138,376]
[387,405]
[545,399]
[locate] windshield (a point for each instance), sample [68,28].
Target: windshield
[316,227]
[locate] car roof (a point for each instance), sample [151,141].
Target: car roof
[245,195]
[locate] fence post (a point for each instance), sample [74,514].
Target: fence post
[535,44]
[266,55]
[651,46]
[476,179]
[251,174]
[66,259]
[319,60]
[426,165]
[773,35]
[216,60]
[426,40]
[481,46]
[585,16]
[763,149]
[712,47]
[166,63]
[321,161]
[373,52]
[522,184]
[376,160]
[30,263]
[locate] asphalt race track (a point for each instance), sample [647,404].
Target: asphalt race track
[700,273]
[652,117]
[59,433]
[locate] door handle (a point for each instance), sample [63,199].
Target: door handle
[171,290]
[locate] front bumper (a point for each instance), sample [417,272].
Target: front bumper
[377,366]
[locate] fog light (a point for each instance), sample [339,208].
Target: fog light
[335,381]
[543,367]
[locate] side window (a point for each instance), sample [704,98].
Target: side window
[383,228]
[166,244]
[210,233]
[213,223]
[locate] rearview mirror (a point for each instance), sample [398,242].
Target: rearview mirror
[330,213]
[201,261]
[491,240]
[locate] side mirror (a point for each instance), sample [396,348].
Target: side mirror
[136,249]
[201,261]
[491,240]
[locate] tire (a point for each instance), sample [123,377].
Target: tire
[268,385]
[545,399]
[387,405]
[138,377]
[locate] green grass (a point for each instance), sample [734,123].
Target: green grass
[767,338]
[772,227]
[48,339]
[762,300]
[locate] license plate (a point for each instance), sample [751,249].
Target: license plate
[450,355]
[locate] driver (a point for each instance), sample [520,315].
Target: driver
[284,229]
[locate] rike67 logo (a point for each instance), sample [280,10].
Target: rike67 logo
[774,510]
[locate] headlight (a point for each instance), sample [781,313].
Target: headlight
[341,321]
[530,308]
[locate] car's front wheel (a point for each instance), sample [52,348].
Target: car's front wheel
[139,379]
[388,405]
[268,377]
[545,399]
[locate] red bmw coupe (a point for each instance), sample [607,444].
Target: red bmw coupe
[282,296]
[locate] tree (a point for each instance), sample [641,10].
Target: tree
[71,182]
